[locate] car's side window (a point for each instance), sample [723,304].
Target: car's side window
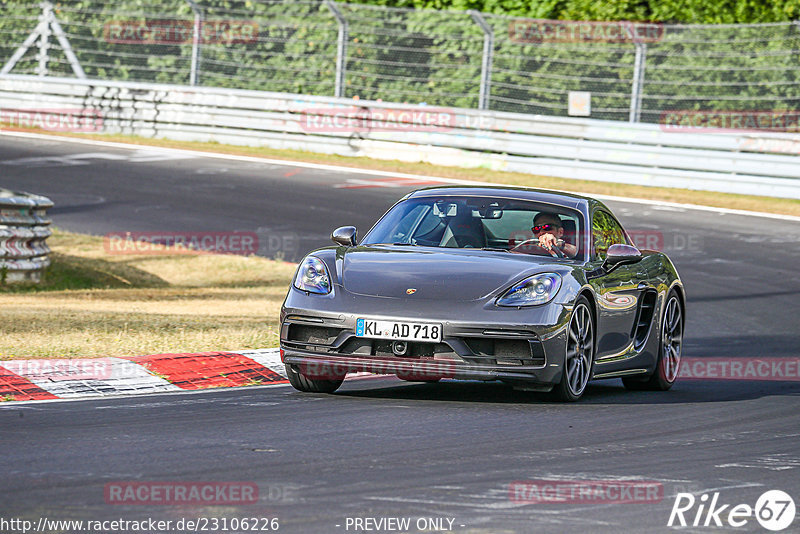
[606,231]
[407,224]
[430,229]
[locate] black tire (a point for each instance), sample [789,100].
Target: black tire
[579,357]
[670,342]
[301,382]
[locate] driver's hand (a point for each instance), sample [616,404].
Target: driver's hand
[547,241]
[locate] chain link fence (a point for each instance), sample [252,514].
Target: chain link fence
[633,71]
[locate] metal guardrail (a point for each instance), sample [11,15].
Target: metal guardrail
[756,163]
[24,228]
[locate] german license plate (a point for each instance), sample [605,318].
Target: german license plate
[431,332]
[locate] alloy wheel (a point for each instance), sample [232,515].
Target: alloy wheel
[580,350]
[672,339]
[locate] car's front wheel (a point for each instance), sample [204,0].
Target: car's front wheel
[579,360]
[669,352]
[302,382]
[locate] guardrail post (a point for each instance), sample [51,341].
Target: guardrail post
[486,61]
[341,49]
[44,38]
[64,42]
[197,29]
[638,82]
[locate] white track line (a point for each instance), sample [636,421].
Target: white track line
[10,405]
[353,170]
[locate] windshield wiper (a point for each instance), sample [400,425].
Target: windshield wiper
[404,244]
[495,249]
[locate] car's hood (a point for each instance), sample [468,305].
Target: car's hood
[449,274]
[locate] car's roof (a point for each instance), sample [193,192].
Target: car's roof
[520,193]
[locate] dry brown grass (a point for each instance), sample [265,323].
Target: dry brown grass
[706,198]
[94,304]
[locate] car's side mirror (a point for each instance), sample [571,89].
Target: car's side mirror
[345,236]
[621,254]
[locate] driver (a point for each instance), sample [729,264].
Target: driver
[549,229]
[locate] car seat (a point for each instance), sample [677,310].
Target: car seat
[464,231]
[569,231]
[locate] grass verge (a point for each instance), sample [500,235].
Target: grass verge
[707,198]
[94,304]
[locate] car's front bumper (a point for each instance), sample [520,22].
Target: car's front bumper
[527,356]
[329,367]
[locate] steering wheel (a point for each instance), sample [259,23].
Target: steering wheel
[555,251]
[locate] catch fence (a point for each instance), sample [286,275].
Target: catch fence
[637,72]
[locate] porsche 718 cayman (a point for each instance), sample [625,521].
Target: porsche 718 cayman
[539,289]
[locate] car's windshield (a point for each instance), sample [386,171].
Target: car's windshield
[480,222]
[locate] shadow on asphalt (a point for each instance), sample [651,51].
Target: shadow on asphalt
[598,393]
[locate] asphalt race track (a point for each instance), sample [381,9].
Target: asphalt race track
[383,448]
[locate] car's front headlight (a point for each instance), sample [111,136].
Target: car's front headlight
[534,290]
[312,276]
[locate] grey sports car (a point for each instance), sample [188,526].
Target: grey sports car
[539,289]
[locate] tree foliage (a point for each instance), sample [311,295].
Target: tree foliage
[435,56]
[667,11]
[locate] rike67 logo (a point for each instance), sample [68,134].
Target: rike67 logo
[774,510]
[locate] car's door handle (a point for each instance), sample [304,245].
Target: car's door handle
[642,286]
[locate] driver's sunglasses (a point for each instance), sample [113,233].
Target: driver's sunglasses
[544,228]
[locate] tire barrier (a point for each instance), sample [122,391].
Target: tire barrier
[24,228]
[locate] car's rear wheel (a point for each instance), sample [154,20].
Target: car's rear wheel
[669,351]
[302,382]
[579,360]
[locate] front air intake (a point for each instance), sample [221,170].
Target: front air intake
[519,352]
